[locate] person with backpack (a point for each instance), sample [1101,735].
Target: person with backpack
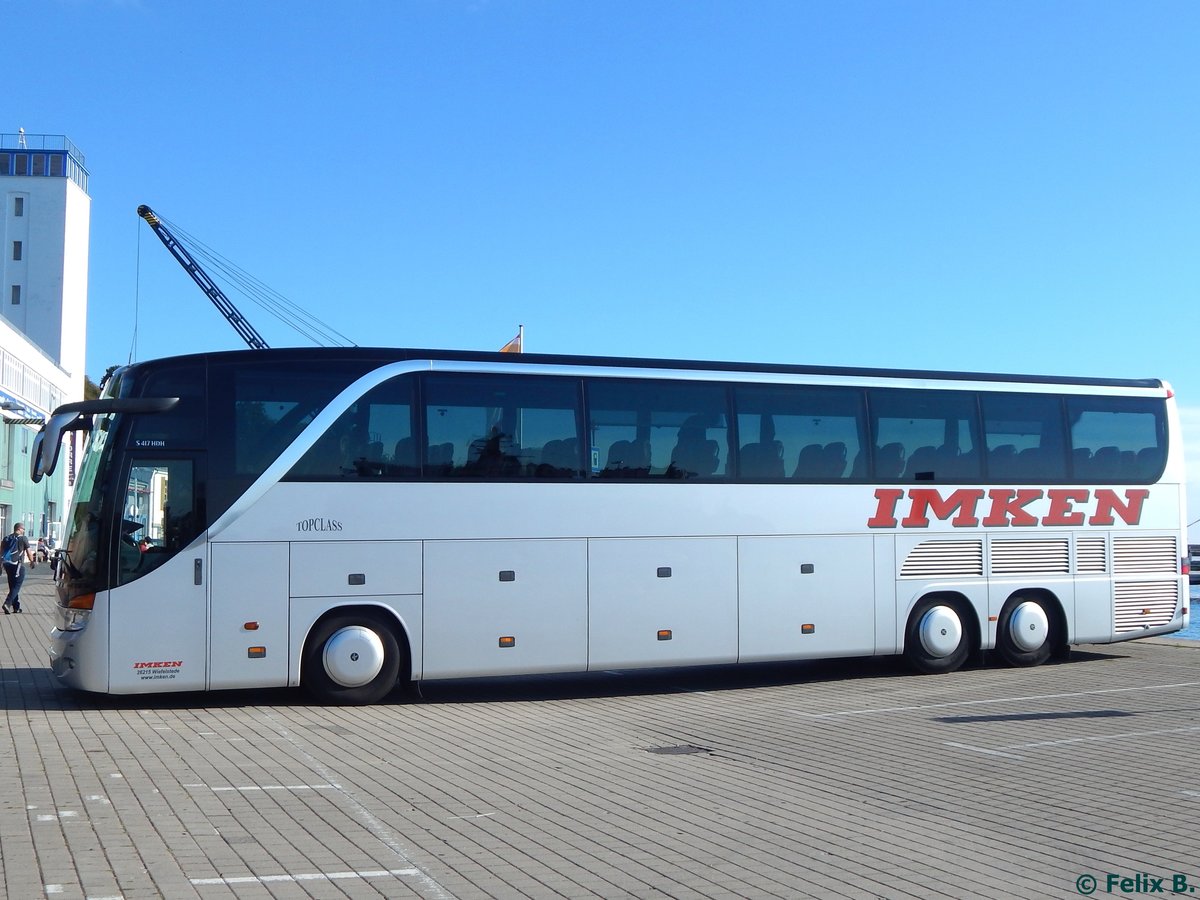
[16,553]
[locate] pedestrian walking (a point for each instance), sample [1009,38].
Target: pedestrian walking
[16,552]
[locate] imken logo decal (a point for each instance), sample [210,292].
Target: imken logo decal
[1008,507]
[158,670]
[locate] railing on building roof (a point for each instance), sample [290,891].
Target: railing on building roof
[42,154]
[22,141]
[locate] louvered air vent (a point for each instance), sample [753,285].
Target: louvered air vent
[1017,557]
[1091,558]
[934,559]
[1143,604]
[1145,554]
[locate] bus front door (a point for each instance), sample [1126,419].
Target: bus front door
[158,609]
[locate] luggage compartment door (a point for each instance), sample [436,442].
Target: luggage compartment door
[505,607]
[248,587]
[806,597]
[662,601]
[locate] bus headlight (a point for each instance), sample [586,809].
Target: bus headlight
[73,619]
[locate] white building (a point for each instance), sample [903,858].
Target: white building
[43,315]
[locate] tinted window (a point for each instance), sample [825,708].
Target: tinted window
[1025,438]
[1117,439]
[180,428]
[924,436]
[258,410]
[801,432]
[650,429]
[501,427]
[272,406]
[269,413]
[371,439]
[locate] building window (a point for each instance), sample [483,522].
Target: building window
[18,206]
[16,295]
[16,251]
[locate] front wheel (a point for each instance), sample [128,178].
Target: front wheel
[936,640]
[1026,634]
[351,660]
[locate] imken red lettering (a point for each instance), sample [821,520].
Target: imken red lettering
[1067,507]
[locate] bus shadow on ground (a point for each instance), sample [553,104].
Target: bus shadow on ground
[1038,717]
[34,688]
[706,679]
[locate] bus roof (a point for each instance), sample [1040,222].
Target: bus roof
[388,354]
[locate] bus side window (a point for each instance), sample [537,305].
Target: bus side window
[1117,439]
[658,429]
[936,430]
[502,427]
[1024,437]
[810,433]
[372,439]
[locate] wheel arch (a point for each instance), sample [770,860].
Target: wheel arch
[377,612]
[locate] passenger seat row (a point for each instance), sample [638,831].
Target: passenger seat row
[1114,464]
[697,456]
[815,461]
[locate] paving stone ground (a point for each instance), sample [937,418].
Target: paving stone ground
[838,779]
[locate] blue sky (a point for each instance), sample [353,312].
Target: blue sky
[998,186]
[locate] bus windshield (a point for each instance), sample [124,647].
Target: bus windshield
[83,572]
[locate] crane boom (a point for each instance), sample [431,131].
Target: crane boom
[223,304]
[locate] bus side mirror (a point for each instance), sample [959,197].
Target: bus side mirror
[74,416]
[47,443]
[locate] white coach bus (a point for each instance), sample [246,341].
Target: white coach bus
[348,520]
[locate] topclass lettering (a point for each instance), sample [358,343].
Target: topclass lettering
[967,508]
[319,524]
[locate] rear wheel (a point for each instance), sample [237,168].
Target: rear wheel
[1027,632]
[936,640]
[351,659]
